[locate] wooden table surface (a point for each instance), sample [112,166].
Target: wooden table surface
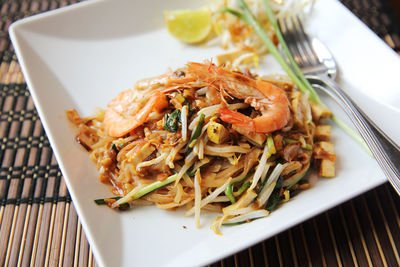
[39,225]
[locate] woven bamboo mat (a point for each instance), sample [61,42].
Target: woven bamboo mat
[39,225]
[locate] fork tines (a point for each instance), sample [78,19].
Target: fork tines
[297,41]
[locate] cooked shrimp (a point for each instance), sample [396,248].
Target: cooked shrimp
[270,100]
[153,82]
[165,82]
[125,113]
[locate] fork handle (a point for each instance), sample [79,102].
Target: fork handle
[385,151]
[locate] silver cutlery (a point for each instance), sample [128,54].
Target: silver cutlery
[319,67]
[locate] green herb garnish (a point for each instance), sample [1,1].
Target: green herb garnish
[172,121]
[275,196]
[273,201]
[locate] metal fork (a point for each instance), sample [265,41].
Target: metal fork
[319,67]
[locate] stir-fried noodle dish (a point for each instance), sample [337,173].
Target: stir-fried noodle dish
[243,44]
[205,137]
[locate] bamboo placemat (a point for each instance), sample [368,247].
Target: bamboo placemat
[39,225]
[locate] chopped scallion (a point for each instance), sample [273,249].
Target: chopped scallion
[243,187]
[196,134]
[172,121]
[229,188]
[150,188]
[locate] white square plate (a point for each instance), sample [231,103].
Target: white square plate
[83,55]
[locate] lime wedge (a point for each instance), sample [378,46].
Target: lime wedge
[189,26]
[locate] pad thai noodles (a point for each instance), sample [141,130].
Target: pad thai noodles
[205,137]
[244,45]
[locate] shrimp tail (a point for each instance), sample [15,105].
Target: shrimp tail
[237,118]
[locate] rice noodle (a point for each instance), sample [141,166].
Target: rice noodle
[296,176]
[221,199]
[200,163]
[170,158]
[225,149]
[172,205]
[225,155]
[126,198]
[242,58]
[188,181]
[229,172]
[217,223]
[151,162]
[241,211]
[179,193]
[248,216]
[185,168]
[197,198]
[210,197]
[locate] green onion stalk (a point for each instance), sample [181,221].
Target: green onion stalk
[195,135]
[294,73]
[152,187]
[142,192]
[243,187]
[229,189]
